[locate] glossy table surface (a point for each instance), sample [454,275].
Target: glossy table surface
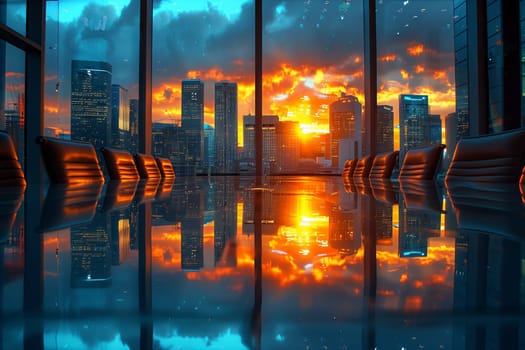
[274,263]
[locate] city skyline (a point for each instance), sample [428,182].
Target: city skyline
[415,54]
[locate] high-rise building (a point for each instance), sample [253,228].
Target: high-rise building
[451,129]
[133,146]
[192,123]
[433,129]
[487,57]
[385,129]
[120,125]
[345,123]
[413,120]
[208,159]
[269,135]
[226,127]
[288,146]
[91,102]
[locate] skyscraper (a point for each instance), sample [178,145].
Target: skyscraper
[433,129]
[120,125]
[192,123]
[413,119]
[91,102]
[226,127]
[488,62]
[269,135]
[133,146]
[288,146]
[385,129]
[345,123]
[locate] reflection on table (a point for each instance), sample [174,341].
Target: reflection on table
[173,264]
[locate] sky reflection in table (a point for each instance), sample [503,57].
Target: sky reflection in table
[338,265]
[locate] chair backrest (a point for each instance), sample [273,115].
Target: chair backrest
[70,162]
[489,158]
[147,166]
[383,165]
[362,168]
[166,168]
[421,163]
[11,173]
[348,170]
[120,164]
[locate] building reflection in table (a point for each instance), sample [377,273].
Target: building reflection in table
[433,268]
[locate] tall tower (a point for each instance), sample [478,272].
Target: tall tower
[133,146]
[225,127]
[413,115]
[345,123]
[385,129]
[269,135]
[192,123]
[288,146]
[120,126]
[91,102]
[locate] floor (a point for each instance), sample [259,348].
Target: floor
[274,263]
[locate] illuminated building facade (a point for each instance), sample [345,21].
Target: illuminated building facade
[120,125]
[385,129]
[133,146]
[91,102]
[226,127]
[413,115]
[269,135]
[345,123]
[192,122]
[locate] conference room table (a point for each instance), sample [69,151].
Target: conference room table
[275,262]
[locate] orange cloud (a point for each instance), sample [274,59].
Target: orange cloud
[419,69]
[388,58]
[14,75]
[416,50]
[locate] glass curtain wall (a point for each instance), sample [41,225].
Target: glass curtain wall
[91,86]
[416,92]
[13,15]
[313,87]
[416,105]
[202,86]
[12,76]
[203,83]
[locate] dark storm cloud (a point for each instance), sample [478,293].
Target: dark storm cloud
[180,42]
[312,33]
[236,43]
[403,25]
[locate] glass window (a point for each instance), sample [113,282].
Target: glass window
[13,14]
[203,84]
[12,95]
[313,85]
[416,74]
[92,72]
